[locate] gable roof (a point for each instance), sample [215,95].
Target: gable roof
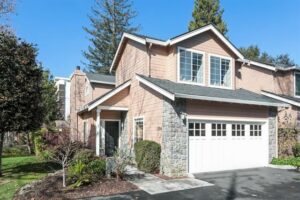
[96,102]
[101,78]
[174,90]
[285,98]
[142,39]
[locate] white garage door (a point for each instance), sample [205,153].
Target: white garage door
[217,145]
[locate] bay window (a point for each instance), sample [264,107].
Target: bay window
[220,71]
[191,66]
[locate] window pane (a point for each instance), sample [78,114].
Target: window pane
[191,69]
[197,133]
[297,84]
[191,133]
[220,74]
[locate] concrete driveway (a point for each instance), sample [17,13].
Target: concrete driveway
[260,183]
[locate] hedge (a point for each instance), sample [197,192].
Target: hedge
[147,156]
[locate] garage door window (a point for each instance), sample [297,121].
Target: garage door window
[218,129]
[255,130]
[196,129]
[238,129]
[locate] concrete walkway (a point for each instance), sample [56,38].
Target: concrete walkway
[155,185]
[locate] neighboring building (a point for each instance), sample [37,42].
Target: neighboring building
[85,87]
[63,94]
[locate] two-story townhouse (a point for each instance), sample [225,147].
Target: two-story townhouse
[188,94]
[85,87]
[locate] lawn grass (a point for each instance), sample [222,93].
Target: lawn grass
[295,161]
[18,171]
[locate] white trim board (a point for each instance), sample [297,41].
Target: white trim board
[102,82]
[281,99]
[109,95]
[156,88]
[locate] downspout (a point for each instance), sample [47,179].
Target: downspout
[149,59]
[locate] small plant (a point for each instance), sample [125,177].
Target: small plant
[121,158]
[63,155]
[296,150]
[147,156]
[84,155]
[97,168]
[78,174]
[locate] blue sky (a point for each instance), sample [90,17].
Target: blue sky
[55,26]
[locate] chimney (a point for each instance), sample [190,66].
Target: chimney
[77,67]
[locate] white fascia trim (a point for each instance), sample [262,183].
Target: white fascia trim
[125,35]
[204,29]
[158,42]
[250,62]
[103,82]
[109,95]
[156,88]
[117,108]
[281,99]
[205,98]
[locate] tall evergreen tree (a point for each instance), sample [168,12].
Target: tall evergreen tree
[109,19]
[206,12]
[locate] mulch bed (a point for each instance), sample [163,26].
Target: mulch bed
[51,188]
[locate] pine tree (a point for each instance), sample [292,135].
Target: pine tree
[206,12]
[110,18]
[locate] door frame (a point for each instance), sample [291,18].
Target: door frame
[102,121]
[225,120]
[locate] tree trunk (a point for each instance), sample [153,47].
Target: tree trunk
[28,143]
[64,176]
[1,150]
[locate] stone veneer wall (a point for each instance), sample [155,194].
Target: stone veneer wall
[174,155]
[124,132]
[272,133]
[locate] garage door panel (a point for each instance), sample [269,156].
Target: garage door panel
[242,146]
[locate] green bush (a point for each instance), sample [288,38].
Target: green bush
[39,145]
[286,161]
[97,168]
[296,150]
[14,151]
[84,155]
[78,174]
[147,156]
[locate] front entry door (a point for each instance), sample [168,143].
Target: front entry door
[111,137]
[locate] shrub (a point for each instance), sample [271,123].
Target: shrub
[296,150]
[84,155]
[78,174]
[120,160]
[19,150]
[39,145]
[97,168]
[147,156]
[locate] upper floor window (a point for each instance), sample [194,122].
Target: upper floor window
[297,84]
[191,66]
[138,129]
[220,71]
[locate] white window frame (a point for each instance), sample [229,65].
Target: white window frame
[259,130]
[178,66]
[295,84]
[231,71]
[236,130]
[194,129]
[133,131]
